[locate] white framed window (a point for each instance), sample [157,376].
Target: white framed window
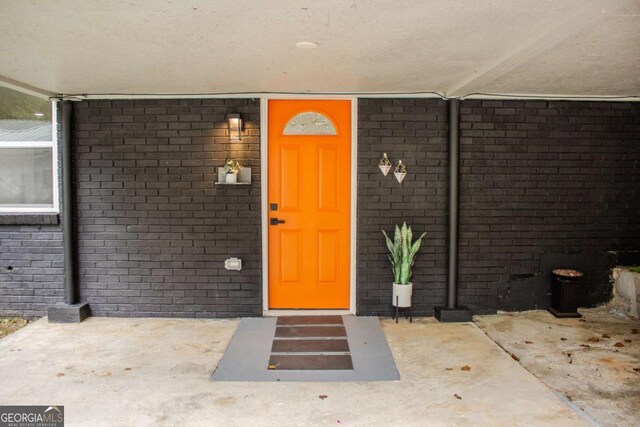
[28,154]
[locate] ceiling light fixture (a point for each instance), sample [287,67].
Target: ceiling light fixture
[307,45]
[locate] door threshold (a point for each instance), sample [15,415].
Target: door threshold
[273,313]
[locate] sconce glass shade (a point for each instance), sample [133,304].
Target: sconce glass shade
[235,127]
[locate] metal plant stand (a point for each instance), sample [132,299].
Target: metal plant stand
[395,311]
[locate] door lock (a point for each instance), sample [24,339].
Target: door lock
[276,221]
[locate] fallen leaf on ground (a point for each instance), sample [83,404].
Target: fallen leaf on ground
[563,339]
[465,368]
[60,374]
[585,345]
[605,336]
[618,344]
[528,342]
[273,366]
[323,396]
[448,369]
[514,357]
[636,369]
[594,339]
[127,369]
[457,397]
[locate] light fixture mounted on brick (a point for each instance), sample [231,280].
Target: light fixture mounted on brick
[235,127]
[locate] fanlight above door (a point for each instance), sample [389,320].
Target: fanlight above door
[309,123]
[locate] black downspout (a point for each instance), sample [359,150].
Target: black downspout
[71,310]
[451,312]
[454,176]
[70,294]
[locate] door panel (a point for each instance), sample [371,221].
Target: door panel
[290,256]
[328,256]
[328,161]
[309,180]
[291,180]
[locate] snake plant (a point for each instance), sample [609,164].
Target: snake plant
[402,253]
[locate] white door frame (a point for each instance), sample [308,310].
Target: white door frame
[264,188]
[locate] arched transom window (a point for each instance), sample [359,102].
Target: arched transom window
[309,123]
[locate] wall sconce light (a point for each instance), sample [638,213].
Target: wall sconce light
[235,127]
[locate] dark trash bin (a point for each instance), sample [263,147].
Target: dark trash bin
[564,292]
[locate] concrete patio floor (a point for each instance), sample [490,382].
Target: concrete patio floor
[108,371]
[594,361]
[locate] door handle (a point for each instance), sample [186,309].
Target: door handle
[276,221]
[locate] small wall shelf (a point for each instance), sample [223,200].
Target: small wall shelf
[244,177]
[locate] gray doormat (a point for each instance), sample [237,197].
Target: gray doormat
[309,348]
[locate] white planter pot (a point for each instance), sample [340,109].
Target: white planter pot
[402,295]
[385,169]
[231,178]
[400,176]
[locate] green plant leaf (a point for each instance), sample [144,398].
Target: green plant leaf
[394,255]
[389,242]
[416,246]
[397,237]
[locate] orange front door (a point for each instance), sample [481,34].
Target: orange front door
[310,191]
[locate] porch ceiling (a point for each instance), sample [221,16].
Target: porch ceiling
[454,47]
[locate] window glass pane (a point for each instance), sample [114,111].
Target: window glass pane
[309,123]
[24,117]
[25,177]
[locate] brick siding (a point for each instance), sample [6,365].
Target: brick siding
[544,184]
[153,229]
[414,131]
[31,261]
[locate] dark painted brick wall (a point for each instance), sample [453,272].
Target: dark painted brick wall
[31,262]
[153,229]
[414,130]
[31,273]
[544,184]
